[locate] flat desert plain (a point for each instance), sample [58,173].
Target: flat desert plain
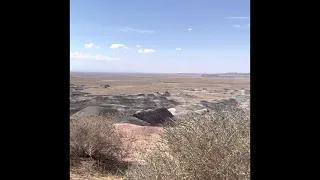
[130,84]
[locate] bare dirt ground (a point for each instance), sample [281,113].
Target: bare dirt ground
[150,83]
[138,140]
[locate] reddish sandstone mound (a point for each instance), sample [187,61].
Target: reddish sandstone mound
[138,140]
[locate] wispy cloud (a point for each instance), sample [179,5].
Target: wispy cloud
[241,26]
[128,29]
[237,26]
[138,46]
[238,17]
[118,46]
[190,29]
[178,49]
[90,46]
[91,57]
[146,51]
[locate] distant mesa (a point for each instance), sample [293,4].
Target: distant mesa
[227,74]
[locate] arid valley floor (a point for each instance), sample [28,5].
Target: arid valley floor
[137,96]
[188,89]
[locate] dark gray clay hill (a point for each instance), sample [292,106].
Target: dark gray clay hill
[155,117]
[151,109]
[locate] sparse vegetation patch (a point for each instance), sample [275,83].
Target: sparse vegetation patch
[214,146]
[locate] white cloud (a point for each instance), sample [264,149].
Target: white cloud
[90,45]
[238,17]
[190,29]
[127,29]
[178,49]
[146,51]
[118,46]
[138,46]
[82,56]
[241,26]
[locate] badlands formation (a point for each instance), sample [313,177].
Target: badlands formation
[154,108]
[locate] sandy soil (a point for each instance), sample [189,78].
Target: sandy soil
[138,140]
[150,83]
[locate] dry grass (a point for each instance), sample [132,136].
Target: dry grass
[89,174]
[150,83]
[94,144]
[138,140]
[215,146]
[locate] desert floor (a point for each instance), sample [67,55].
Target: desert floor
[129,84]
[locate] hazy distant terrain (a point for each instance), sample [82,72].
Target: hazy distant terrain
[150,83]
[133,92]
[229,74]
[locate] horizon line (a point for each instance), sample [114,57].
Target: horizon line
[157,72]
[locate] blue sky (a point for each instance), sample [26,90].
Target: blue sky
[160,36]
